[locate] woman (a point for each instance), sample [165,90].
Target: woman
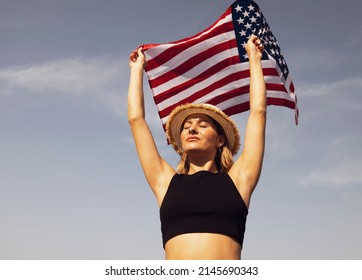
[204,203]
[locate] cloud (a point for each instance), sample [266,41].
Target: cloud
[344,93]
[348,84]
[342,162]
[94,80]
[342,174]
[329,153]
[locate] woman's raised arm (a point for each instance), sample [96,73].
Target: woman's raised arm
[247,168]
[157,171]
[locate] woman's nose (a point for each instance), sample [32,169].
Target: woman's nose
[192,129]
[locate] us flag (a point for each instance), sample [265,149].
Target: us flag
[212,66]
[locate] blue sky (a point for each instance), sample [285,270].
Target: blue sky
[71,186]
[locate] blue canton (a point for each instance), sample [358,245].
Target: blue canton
[248,19]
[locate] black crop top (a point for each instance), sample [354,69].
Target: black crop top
[203,202]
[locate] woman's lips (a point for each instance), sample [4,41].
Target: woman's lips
[192,138]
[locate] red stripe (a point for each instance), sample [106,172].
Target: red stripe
[270,72]
[192,62]
[276,87]
[291,87]
[243,107]
[229,95]
[172,51]
[238,108]
[281,102]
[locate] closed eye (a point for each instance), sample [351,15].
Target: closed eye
[204,124]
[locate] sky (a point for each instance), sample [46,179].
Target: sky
[71,186]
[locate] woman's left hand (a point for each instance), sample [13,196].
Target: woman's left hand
[254,47]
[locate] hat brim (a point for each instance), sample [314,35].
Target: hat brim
[180,113]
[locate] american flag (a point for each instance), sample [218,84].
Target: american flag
[212,66]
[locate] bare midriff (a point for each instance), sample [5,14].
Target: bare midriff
[202,246]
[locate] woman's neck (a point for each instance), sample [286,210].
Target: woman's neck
[206,166]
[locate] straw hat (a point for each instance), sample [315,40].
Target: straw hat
[180,113]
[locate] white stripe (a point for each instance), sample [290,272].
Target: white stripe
[280,95]
[273,80]
[237,100]
[267,64]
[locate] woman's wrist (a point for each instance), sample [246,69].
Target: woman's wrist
[254,58]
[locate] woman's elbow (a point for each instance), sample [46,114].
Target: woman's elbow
[260,111]
[135,116]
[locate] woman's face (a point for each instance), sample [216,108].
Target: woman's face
[199,133]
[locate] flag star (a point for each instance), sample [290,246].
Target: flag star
[251,7]
[246,56]
[253,19]
[244,45]
[242,33]
[238,8]
[258,14]
[254,31]
[248,26]
[240,20]
[246,14]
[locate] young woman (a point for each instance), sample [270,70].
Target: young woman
[204,202]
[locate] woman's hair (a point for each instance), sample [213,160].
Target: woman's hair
[223,158]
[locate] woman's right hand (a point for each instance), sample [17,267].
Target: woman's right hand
[137,59]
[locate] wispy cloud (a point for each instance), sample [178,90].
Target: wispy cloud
[344,93]
[341,174]
[341,164]
[337,158]
[99,79]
